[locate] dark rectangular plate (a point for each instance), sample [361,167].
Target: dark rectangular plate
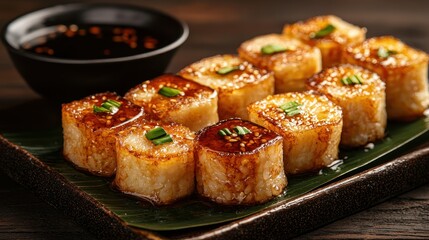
[388,176]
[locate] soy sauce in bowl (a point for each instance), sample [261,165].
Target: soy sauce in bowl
[69,51]
[92,41]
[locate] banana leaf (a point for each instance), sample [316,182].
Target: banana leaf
[194,211]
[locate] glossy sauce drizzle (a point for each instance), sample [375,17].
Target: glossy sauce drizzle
[258,137]
[126,111]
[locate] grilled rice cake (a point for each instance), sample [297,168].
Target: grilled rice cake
[310,125]
[329,33]
[237,82]
[239,162]
[153,168]
[291,61]
[89,130]
[172,98]
[402,68]
[361,95]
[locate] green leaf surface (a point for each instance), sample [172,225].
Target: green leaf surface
[193,212]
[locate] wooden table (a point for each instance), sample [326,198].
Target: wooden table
[219,26]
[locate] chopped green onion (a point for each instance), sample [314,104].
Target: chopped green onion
[169,92]
[352,80]
[293,112]
[241,130]
[114,103]
[290,105]
[356,79]
[271,49]
[112,109]
[291,108]
[157,132]
[227,69]
[225,132]
[158,136]
[108,106]
[328,29]
[385,53]
[161,140]
[98,109]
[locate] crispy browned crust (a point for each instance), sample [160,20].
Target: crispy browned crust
[238,169]
[89,137]
[201,99]
[291,68]
[161,173]
[236,89]
[404,72]
[311,138]
[331,45]
[363,105]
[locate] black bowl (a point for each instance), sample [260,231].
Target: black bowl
[67,79]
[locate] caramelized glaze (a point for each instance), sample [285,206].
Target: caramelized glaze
[296,50]
[133,140]
[146,94]
[363,105]
[343,34]
[316,111]
[83,111]
[205,72]
[367,53]
[328,82]
[209,137]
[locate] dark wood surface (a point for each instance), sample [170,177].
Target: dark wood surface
[219,27]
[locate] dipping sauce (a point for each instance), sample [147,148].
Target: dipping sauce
[86,42]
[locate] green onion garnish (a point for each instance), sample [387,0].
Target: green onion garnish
[158,136]
[169,92]
[227,69]
[155,133]
[98,109]
[111,107]
[113,103]
[161,140]
[271,49]
[225,132]
[352,80]
[385,53]
[108,106]
[241,130]
[328,29]
[291,108]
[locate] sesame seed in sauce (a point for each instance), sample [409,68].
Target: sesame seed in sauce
[238,143]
